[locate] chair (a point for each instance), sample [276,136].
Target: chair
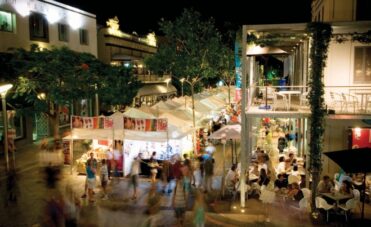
[368,102]
[357,198]
[304,99]
[279,99]
[306,193]
[348,207]
[303,206]
[336,100]
[350,100]
[322,204]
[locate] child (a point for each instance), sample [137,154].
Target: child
[104,178]
[179,202]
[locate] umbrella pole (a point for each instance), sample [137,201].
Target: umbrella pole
[223,179]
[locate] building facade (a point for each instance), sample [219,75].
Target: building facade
[48,24]
[340,11]
[122,49]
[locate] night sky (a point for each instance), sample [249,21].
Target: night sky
[142,16]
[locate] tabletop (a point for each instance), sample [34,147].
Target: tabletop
[337,196]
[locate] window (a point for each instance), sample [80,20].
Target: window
[6,21]
[39,27]
[84,36]
[362,65]
[63,32]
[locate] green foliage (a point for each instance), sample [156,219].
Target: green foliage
[120,86]
[191,48]
[321,37]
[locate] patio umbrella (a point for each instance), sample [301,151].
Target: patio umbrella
[225,133]
[353,161]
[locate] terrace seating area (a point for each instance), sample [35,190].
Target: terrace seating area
[338,100]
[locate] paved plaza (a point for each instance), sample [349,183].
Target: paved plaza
[120,210]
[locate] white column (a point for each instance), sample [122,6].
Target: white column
[243,117]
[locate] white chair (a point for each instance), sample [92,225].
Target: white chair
[306,193]
[336,101]
[368,102]
[348,207]
[304,99]
[280,100]
[350,100]
[303,206]
[357,198]
[322,204]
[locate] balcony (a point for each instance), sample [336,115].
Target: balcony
[292,100]
[148,78]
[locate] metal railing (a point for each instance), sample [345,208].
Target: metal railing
[338,99]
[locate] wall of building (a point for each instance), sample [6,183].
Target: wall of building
[55,13]
[333,10]
[336,138]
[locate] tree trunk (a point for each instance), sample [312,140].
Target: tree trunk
[54,118]
[229,93]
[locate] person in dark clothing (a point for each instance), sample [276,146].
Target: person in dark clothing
[263,178]
[281,182]
[282,144]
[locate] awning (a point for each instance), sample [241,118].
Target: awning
[156,89]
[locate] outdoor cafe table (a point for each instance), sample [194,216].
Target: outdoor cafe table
[337,197]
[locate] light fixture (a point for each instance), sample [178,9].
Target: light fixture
[357,133]
[41,96]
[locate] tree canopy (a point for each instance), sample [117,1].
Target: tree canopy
[190,50]
[47,79]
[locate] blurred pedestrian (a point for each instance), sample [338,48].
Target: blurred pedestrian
[90,171]
[179,202]
[199,210]
[134,174]
[104,178]
[165,176]
[71,208]
[95,165]
[12,189]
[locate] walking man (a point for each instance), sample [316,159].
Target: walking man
[134,173]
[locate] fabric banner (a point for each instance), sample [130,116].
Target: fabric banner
[92,122]
[145,125]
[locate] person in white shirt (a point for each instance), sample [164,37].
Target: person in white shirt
[281,168]
[231,178]
[134,173]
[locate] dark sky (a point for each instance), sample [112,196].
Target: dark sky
[142,16]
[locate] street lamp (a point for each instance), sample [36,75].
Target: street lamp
[185,100]
[167,87]
[3,90]
[182,81]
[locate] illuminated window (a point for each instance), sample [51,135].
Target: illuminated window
[362,65]
[39,29]
[6,21]
[63,32]
[84,37]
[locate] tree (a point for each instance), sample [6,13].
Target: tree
[120,87]
[226,69]
[191,50]
[60,75]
